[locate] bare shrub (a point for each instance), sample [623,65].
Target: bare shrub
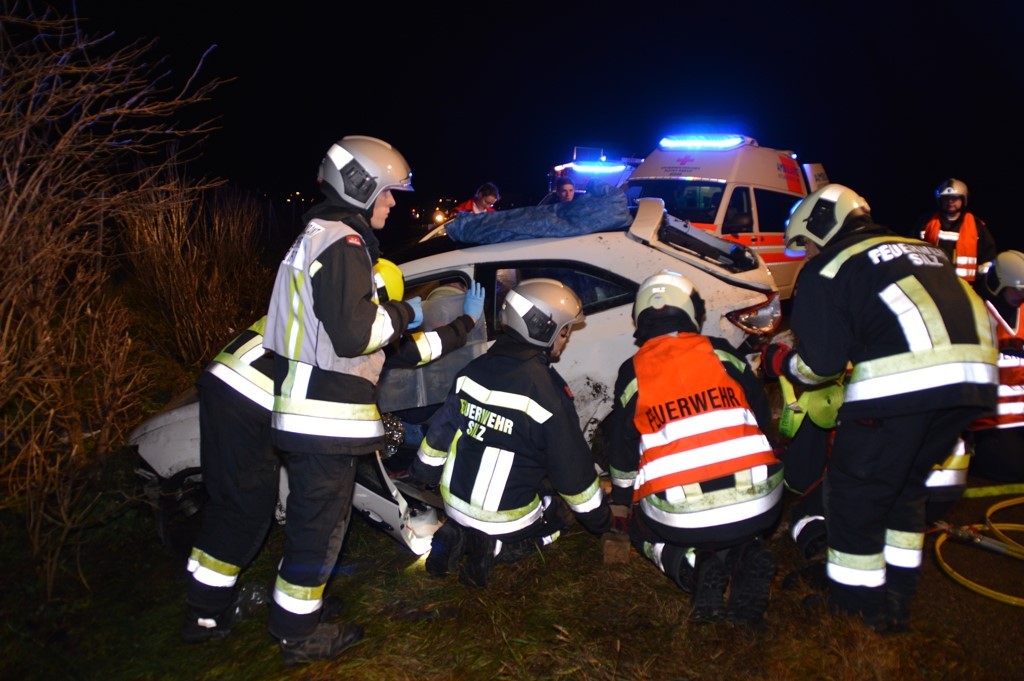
[84,127]
[197,257]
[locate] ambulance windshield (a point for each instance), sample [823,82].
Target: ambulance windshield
[693,200]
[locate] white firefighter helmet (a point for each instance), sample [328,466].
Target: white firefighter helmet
[669,289]
[820,215]
[1007,271]
[358,168]
[951,187]
[538,310]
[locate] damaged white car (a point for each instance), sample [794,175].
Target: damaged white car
[604,267]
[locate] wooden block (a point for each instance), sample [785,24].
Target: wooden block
[615,547]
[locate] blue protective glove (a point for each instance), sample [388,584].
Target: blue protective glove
[417,312]
[474,305]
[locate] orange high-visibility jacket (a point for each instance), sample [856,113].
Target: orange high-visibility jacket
[694,420]
[965,255]
[1010,408]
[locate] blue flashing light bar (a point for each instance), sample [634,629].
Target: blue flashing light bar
[702,142]
[595,167]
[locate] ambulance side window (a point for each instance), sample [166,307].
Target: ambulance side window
[739,217]
[773,209]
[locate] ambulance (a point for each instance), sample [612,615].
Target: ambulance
[591,163]
[733,187]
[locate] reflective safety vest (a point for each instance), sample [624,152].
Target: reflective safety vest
[296,334]
[696,425]
[965,253]
[1010,408]
[234,366]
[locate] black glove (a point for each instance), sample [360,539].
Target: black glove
[774,358]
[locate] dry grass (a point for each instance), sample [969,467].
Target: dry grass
[562,614]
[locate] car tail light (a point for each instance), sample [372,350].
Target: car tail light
[759,320]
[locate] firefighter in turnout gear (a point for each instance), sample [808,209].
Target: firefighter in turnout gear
[240,466]
[962,236]
[327,329]
[923,367]
[999,438]
[688,452]
[506,446]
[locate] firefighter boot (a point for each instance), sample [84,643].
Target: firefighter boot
[476,570]
[446,549]
[202,624]
[901,585]
[712,577]
[753,566]
[326,642]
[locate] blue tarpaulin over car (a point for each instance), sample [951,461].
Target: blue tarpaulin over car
[602,209]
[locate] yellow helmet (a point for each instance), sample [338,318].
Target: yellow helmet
[389,278]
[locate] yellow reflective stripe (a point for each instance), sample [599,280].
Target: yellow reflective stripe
[628,392]
[830,270]
[904,540]
[717,508]
[906,362]
[903,549]
[499,398]
[729,358]
[622,479]
[587,500]
[903,382]
[300,600]
[246,381]
[806,374]
[431,456]
[428,346]
[381,332]
[855,569]
[315,267]
[210,571]
[293,323]
[326,409]
[205,559]
[917,314]
[501,522]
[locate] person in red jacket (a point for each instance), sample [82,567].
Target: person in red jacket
[482,202]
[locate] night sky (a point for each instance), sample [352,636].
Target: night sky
[891,97]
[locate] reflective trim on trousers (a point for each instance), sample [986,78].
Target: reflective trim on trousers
[208,570]
[902,557]
[946,477]
[854,570]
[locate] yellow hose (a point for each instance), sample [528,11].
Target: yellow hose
[1012,549]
